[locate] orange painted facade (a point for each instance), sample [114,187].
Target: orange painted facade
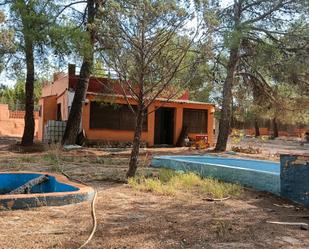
[60,92]
[148,137]
[48,111]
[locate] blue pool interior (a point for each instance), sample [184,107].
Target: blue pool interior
[260,165]
[11,181]
[258,174]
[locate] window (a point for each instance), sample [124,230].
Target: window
[59,116]
[40,111]
[113,117]
[195,120]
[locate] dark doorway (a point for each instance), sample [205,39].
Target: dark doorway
[164,126]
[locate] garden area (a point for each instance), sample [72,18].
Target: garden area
[152,124]
[156,209]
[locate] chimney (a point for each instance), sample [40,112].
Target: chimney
[58,75]
[72,69]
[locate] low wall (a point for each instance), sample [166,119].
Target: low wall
[258,179]
[295,177]
[291,182]
[297,132]
[12,122]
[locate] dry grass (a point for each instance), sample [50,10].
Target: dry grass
[145,219]
[27,159]
[36,147]
[55,158]
[171,183]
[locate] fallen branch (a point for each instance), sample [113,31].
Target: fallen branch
[301,224]
[213,199]
[284,205]
[299,216]
[25,188]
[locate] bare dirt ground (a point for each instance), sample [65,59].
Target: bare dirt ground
[128,219]
[272,148]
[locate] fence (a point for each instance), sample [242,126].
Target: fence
[266,128]
[21,114]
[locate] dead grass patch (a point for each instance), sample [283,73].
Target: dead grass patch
[18,148]
[27,159]
[171,183]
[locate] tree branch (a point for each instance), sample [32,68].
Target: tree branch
[280,4]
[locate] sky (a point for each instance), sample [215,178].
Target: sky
[9,81]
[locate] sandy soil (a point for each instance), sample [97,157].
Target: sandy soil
[130,219]
[274,147]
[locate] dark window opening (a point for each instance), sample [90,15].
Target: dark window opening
[196,120]
[113,117]
[59,118]
[40,111]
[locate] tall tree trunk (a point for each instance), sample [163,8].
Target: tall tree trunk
[275,128]
[225,117]
[73,124]
[136,143]
[232,124]
[75,117]
[257,128]
[28,134]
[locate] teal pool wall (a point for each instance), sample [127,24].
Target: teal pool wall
[56,191]
[242,171]
[295,177]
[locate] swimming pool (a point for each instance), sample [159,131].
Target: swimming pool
[56,191]
[259,174]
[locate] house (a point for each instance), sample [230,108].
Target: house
[106,115]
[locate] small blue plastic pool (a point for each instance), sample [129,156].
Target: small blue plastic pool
[56,191]
[9,182]
[258,174]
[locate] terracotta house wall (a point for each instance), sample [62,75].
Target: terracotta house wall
[4,112]
[12,123]
[51,95]
[48,107]
[148,136]
[179,118]
[63,100]
[49,112]
[57,87]
[59,93]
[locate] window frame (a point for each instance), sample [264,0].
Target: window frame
[203,128]
[119,117]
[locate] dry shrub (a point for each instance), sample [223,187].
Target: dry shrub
[246,150]
[53,157]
